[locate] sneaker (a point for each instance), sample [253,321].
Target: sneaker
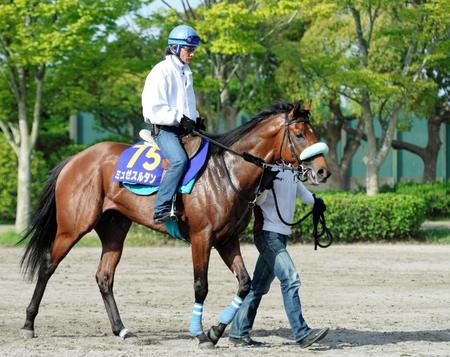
[312,337]
[245,341]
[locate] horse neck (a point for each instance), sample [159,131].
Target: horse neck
[264,142]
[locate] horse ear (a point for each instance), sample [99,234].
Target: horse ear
[294,113]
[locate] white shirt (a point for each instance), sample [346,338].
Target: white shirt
[286,190]
[169,93]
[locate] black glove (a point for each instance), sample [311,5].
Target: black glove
[319,205]
[267,180]
[187,124]
[200,124]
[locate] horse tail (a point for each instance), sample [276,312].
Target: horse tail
[42,228]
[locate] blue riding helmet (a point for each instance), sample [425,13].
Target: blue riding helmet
[185,36]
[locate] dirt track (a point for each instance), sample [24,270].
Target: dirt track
[378,300]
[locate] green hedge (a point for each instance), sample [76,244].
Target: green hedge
[358,217]
[436,196]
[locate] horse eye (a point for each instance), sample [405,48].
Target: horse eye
[299,134]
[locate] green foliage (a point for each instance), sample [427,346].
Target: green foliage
[107,81]
[8,183]
[46,31]
[358,217]
[63,153]
[436,196]
[10,239]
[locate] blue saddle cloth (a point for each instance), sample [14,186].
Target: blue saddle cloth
[140,168]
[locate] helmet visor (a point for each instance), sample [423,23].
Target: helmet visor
[193,40]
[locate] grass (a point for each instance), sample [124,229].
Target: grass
[138,236]
[436,236]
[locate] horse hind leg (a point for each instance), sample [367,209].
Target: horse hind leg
[112,230]
[49,262]
[45,272]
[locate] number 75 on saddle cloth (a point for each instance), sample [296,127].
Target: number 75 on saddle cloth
[142,164]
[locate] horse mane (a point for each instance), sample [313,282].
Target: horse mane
[230,137]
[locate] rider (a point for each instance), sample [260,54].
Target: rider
[169,106]
[270,236]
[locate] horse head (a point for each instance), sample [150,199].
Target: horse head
[299,144]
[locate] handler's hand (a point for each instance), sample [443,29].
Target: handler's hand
[319,205]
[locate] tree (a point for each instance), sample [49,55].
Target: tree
[436,67]
[35,38]
[372,54]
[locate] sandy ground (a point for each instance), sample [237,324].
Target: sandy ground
[378,300]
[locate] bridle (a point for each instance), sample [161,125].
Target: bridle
[302,169]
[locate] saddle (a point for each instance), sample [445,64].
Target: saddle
[191,144]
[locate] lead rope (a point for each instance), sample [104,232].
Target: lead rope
[318,217]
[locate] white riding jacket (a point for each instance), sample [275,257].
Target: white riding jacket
[287,189]
[169,93]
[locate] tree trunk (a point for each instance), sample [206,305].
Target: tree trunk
[370,158]
[372,181]
[339,178]
[432,150]
[23,207]
[429,154]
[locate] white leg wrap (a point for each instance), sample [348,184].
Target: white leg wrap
[123,333]
[27,333]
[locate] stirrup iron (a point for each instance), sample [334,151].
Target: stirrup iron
[173,216]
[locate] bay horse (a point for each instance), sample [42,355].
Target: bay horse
[80,196]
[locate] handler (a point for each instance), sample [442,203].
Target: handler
[270,235]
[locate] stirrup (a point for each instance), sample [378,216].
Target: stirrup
[173,216]
[146,135]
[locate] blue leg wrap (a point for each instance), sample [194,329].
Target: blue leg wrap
[196,327]
[228,314]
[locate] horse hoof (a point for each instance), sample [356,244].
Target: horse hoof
[27,333]
[206,345]
[204,342]
[212,336]
[127,335]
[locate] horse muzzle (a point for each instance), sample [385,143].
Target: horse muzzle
[314,166]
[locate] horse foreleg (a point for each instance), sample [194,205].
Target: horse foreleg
[112,230]
[231,255]
[200,258]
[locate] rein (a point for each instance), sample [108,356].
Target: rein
[245,155]
[318,217]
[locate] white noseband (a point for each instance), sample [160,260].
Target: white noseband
[313,150]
